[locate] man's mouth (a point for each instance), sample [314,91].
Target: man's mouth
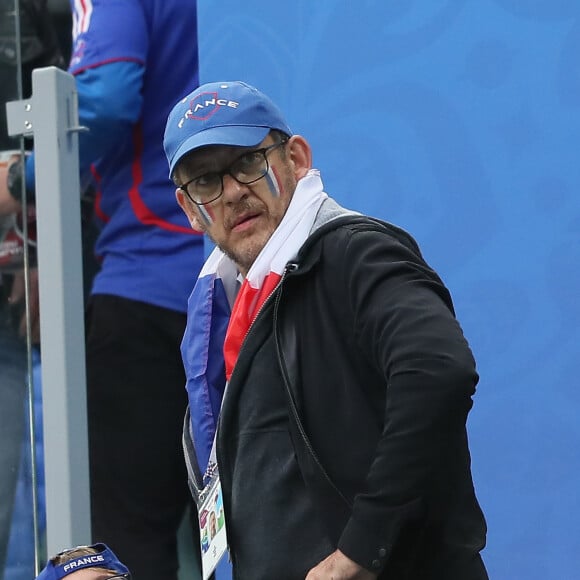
[244,220]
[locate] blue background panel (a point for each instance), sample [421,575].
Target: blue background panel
[458,120]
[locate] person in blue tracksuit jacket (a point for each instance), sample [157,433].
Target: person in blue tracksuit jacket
[130,59]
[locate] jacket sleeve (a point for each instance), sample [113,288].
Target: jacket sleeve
[403,318]
[110,100]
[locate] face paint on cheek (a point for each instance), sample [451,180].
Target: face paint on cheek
[273,182]
[206,215]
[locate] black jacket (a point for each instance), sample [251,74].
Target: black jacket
[361,337]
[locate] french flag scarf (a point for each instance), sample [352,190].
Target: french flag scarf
[218,320]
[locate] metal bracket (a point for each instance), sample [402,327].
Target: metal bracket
[19,117]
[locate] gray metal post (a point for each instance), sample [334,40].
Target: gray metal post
[51,116]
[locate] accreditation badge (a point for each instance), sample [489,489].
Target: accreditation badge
[212,528]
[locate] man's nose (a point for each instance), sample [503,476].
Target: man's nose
[233,189]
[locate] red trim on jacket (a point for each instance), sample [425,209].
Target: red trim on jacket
[142,212]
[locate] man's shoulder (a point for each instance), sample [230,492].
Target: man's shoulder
[344,226]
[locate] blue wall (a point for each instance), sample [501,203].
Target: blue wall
[460,121]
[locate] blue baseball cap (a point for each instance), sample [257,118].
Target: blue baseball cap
[221,113]
[103,558]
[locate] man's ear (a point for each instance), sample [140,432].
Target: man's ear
[300,155]
[189,210]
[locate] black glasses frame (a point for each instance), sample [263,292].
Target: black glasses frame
[263,151]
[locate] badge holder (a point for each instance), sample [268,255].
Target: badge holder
[212,528]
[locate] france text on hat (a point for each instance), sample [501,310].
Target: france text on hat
[220,113]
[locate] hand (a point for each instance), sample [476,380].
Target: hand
[17,296]
[338,567]
[8,204]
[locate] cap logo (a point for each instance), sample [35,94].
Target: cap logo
[96,559]
[204,106]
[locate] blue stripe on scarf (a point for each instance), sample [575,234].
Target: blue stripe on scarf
[202,352]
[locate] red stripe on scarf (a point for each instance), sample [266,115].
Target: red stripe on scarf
[244,311]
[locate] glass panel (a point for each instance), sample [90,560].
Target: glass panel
[18,489]
[30,37]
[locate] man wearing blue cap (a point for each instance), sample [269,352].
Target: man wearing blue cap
[331,354]
[96,562]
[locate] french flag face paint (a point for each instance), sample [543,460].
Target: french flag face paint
[206,215]
[273,182]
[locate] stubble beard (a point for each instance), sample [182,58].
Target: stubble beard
[245,257]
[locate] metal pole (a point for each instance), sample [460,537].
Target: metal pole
[51,116]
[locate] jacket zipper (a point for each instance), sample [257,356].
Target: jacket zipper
[218,425]
[291,267]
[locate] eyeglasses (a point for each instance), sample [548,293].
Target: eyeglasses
[247,168]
